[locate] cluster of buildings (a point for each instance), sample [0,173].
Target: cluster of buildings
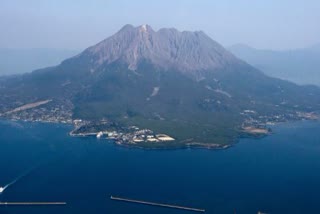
[257,124]
[135,137]
[50,112]
[121,135]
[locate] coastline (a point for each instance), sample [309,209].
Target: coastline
[173,145]
[164,146]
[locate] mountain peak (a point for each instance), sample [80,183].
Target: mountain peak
[166,48]
[141,28]
[145,28]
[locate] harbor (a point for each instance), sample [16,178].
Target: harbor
[156,204]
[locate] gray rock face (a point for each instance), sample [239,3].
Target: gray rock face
[167,48]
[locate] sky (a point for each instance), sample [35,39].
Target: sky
[77,24]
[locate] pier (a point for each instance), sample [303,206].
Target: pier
[156,204]
[31,203]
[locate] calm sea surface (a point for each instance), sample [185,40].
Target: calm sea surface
[276,174]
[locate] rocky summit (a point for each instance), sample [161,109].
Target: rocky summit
[167,48]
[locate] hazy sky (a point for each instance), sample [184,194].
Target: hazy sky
[77,24]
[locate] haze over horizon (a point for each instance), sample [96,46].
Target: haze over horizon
[77,25]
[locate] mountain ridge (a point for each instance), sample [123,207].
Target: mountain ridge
[166,48]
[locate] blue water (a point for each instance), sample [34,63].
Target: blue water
[276,174]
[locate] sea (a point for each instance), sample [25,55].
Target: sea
[42,163]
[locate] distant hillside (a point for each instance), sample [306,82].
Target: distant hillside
[301,66]
[16,61]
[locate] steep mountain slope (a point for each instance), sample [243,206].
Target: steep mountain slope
[179,83]
[301,66]
[188,52]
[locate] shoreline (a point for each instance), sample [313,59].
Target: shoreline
[161,146]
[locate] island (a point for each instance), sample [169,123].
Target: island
[158,89]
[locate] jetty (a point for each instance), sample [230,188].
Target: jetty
[156,204]
[31,203]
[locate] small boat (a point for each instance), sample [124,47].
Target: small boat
[1,189]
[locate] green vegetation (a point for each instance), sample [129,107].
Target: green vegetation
[206,111]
